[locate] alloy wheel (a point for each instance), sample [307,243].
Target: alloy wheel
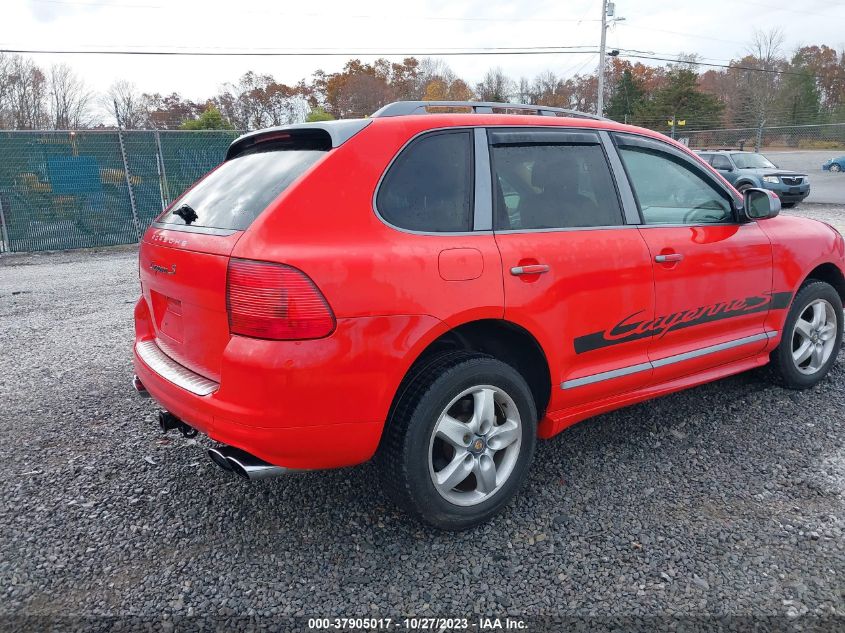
[475,445]
[814,336]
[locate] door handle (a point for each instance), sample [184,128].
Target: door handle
[531,269]
[671,257]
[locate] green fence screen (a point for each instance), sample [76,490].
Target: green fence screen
[89,188]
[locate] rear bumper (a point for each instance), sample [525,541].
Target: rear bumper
[295,447]
[298,404]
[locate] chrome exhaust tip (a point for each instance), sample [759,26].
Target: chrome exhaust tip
[244,464]
[218,458]
[139,387]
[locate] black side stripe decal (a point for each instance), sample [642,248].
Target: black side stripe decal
[634,327]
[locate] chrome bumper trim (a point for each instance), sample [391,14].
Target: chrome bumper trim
[172,371]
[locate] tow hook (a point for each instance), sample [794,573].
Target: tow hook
[167,421]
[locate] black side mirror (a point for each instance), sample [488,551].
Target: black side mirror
[761,204]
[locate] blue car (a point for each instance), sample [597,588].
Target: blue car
[835,164]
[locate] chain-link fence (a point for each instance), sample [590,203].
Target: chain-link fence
[809,137]
[89,188]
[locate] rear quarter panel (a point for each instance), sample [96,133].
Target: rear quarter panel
[326,226]
[387,287]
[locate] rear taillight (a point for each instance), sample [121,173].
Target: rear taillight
[275,301]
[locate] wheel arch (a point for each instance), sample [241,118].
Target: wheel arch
[499,338]
[831,274]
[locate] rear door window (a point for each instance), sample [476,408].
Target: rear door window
[234,194]
[429,187]
[541,181]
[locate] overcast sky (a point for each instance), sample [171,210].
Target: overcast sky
[715,29]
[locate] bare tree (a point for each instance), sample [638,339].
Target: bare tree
[124,103]
[22,93]
[70,100]
[761,88]
[496,86]
[5,90]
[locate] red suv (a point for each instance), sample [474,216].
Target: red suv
[437,289]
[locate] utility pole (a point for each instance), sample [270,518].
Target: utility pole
[600,103]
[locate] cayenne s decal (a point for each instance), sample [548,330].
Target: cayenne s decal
[164,269]
[632,328]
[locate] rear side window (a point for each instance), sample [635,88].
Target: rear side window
[720,162]
[429,186]
[235,193]
[553,186]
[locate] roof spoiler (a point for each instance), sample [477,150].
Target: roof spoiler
[337,133]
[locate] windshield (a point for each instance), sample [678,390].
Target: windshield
[235,193]
[752,161]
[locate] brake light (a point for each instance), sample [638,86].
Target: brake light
[275,301]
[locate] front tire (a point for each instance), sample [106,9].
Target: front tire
[812,336]
[835,167]
[788,205]
[460,441]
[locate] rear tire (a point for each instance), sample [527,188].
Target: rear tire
[788,205]
[812,337]
[460,440]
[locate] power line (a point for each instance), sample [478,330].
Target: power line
[729,66]
[335,49]
[530,50]
[299,53]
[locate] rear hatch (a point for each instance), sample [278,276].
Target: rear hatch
[184,256]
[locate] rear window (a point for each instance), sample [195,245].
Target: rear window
[234,194]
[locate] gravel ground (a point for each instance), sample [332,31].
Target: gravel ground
[725,500]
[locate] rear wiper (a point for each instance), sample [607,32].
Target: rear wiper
[187,213]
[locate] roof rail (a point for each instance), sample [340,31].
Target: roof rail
[404,108]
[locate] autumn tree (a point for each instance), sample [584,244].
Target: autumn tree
[441,83]
[168,112]
[583,92]
[360,89]
[680,99]
[257,101]
[828,69]
[546,89]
